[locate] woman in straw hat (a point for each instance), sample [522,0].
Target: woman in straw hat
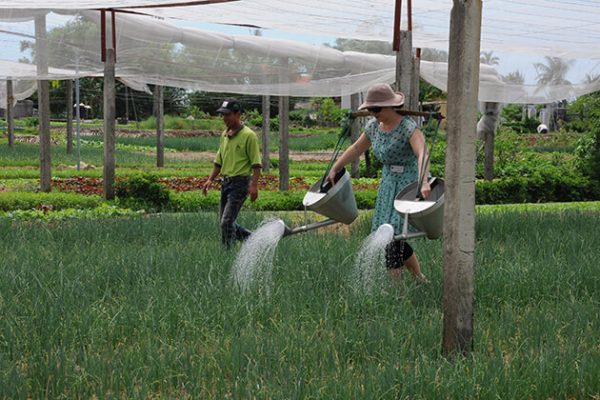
[399,145]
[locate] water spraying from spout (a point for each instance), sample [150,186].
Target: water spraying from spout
[369,272]
[253,267]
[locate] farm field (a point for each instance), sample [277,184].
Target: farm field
[144,307]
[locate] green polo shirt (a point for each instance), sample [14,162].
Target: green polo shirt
[237,155]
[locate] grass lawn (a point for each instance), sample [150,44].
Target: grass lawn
[144,307]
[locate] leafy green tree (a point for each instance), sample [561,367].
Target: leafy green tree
[515,77]
[553,72]
[488,57]
[434,55]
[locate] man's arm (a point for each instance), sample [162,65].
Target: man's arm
[211,177]
[253,189]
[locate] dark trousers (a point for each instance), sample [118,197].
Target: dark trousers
[396,253]
[234,191]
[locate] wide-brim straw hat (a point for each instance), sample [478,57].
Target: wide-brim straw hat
[382,95]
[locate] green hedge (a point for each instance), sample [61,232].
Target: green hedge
[526,189]
[55,200]
[536,189]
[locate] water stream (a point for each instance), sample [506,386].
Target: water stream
[253,267]
[369,274]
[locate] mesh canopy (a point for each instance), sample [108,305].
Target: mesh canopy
[539,52]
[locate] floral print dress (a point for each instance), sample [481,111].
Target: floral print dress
[399,168]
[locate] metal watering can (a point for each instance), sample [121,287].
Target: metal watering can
[425,215]
[336,202]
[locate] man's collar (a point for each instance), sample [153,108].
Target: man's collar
[232,134]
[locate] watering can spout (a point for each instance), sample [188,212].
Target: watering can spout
[305,228]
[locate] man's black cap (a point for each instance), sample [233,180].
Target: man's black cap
[229,106]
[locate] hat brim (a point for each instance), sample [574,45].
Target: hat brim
[223,110]
[397,101]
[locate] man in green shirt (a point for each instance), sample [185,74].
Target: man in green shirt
[238,161]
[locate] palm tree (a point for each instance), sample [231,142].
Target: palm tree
[590,78]
[488,57]
[434,55]
[554,72]
[515,77]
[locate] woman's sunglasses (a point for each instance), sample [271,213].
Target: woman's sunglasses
[374,110]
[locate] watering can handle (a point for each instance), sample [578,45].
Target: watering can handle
[338,176]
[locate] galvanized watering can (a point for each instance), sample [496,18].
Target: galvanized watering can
[425,215]
[335,202]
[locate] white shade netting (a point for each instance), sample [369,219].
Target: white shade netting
[518,38]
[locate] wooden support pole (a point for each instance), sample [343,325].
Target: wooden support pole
[43,104]
[284,134]
[266,132]
[109,126]
[459,208]
[284,149]
[413,103]
[354,134]
[10,123]
[160,125]
[69,102]
[404,67]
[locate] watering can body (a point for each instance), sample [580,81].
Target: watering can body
[337,202]
[427,216]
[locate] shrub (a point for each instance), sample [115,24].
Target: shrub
[10,201]
[144,190]
[588,152]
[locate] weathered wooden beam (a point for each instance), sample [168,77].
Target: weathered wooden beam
[43,104]
[10,123]
[109,126]
[284,149]
[405,67]
[459,211]
[354,134]
[160,125]
[69,103]
[266,132]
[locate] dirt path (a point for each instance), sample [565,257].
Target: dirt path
[209,156]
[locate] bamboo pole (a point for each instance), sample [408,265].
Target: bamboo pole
[365,113]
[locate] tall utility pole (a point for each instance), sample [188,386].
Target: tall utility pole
[43,103]
[459,211]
